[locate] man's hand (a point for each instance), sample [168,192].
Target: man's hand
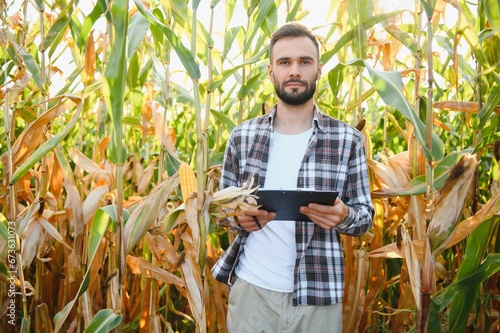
[326,216]
[255,219]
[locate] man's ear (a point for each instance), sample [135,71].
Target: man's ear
[320,71]
[270,72]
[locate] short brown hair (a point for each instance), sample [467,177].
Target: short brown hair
[291,29]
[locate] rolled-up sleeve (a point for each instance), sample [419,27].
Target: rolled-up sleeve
[360,216]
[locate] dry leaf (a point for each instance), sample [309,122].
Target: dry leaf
[142,266]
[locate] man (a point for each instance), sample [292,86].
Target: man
[288,276]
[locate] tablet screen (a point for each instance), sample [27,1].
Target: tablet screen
[286,203]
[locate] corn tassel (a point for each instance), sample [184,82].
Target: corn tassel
[187,180]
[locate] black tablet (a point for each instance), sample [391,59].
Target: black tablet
[286,203]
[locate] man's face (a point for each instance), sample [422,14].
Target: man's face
[294,70]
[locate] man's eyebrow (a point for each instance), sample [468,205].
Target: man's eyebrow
[301,58]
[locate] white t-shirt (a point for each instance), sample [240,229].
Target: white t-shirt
[268,259]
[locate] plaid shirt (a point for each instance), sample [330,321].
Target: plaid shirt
[334,160]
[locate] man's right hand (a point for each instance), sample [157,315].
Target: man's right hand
[255,219]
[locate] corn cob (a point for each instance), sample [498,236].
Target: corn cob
[448,206]
[187,180]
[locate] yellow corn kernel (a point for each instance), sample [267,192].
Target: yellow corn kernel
[187,180]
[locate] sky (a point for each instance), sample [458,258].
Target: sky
[318,16]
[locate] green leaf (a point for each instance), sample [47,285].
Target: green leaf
[112,213]
[484,115]
[492,11]
[358,11]
[182,52]
[214,3]
[216,159]
[222,77]
[463,301]
[231,35]
[271,21]
[252,84]
[104,321]
[486,141]
[47,146]
[135,94]
[138,28]
[349,36]
[3,227]
[221,117]
[292,14]
[57,30]
[488,267]
[114,81]
[195,4]
[389,85]
[32,66]
[183,18]
[89,21]
[40,6]
[100,225]
[25,325]
[434,323]
[428,7]
[264,10]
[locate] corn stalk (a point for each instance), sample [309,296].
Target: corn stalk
[114,86]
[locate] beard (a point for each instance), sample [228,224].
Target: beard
[295,97]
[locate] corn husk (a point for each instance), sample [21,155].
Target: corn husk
[449,203]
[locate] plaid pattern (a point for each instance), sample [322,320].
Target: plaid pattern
[334,160]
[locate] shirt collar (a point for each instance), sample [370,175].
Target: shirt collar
[317,121]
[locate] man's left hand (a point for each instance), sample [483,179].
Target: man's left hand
[326,216]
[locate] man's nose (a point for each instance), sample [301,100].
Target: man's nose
[295,69]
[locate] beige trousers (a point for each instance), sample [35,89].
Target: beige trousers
[253,309]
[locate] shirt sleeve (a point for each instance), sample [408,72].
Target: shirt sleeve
[230,165]
[358,200]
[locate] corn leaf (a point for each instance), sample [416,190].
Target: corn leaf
[40,6]
[389,85]
[418,184]
[57,32]
[358,11]
[31,65]
[350,35]
[467,226]
[89,21]
[492,11]
[114,80]
[264,9]
[148,212]
[142,266]
[48,145]
[484,115]
[223,119]
[252,84]
[104,321]
[99,227]
[182,52]
[461,305]
[138,28]
[428,7]
[487,268]
[232,35]
[184,17]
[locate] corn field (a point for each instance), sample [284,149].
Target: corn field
[113,128]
